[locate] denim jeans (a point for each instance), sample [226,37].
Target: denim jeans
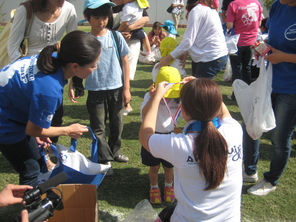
[100,106]
[284,106]
[241,64]
[208,69]
[24,157]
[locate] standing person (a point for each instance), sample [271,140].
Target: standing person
[281,38]
[52,18]
[176,13]
[207,158]
[31,89]
[167,117]
[244,16]
[205,42]
[131,12]
[109,85]
[134,44]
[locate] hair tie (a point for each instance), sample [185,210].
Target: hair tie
[197,126]
[58,46]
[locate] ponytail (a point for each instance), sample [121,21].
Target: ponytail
[202,101]
[76,47]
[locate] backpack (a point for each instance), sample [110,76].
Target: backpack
[4,36]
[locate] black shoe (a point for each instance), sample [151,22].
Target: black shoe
[110,172]
[121,159]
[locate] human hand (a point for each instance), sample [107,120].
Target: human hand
[71,92]
[76,130]
[13,194]
[126,96]
[43,141]
[276,56]
[126,35]
[165,61]
[152,90]
[187,79]
[162,88]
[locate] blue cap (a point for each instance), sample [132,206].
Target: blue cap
[93,4]
[171,27]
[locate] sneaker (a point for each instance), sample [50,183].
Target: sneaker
[121,158]
[169,194]
[127,111]
[110,172]
[262,188]
[155,196]
[250,178]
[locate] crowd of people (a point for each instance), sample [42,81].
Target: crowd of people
[206,163]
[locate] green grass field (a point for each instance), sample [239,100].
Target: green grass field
[119,194]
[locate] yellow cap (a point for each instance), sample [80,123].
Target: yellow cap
[167,45]
[143,3]
[171,75]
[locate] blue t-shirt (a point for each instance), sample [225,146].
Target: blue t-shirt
[282,36]
[27,94]
[108,75]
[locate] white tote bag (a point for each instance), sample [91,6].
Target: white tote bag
[231,42]
[254,102]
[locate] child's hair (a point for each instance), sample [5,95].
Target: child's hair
[192,3]
[102,11]
[156,25]
[202,100]
[76,47]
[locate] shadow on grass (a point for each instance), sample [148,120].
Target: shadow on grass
[5,165]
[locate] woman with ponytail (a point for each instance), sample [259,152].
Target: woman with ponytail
[207,157]
[31,89]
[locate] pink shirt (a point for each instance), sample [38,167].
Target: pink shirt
[245,16]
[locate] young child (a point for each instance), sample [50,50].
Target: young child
[155,36]
[168,25]
[109,85]
[167,45]
[167,116]
[132,12]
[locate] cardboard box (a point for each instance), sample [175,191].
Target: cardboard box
[80,204]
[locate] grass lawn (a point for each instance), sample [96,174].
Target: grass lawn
[119,194]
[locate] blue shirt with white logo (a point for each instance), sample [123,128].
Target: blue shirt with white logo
[27,94]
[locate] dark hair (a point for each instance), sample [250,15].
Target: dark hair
[202,100]
[263,23]
[39,5]
[76,47]
[192,3]
[155,26]
[102,11]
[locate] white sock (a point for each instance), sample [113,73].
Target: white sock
[168,184]
[154,186]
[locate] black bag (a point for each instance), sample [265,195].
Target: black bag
[170,9]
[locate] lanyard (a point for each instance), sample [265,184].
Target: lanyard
[177,114]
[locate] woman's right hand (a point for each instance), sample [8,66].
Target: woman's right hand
[76,130]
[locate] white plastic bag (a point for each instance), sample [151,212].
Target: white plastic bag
[231,42]
[143,212]
[228,71]
[254,102]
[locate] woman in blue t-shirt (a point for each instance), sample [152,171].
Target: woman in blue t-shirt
[31,89]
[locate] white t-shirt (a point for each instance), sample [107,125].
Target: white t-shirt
[194,203]
[42,33]
[164,121]
[177,10]
[203,38]
[131,12]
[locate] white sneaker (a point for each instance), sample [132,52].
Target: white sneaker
[262,188]
[250,178]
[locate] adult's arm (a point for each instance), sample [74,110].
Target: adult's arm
[138,24]
[74,131]
[17,33]
[278,56]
